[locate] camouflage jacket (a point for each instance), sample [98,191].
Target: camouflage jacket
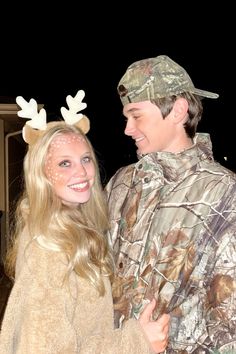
[173,228]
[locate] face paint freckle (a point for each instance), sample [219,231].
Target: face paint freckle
[71,147]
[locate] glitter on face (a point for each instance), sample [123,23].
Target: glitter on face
[70,168]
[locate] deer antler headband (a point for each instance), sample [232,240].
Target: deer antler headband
[37,124]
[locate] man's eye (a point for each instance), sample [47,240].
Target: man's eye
[64,163]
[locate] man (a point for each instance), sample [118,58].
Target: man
[173,213]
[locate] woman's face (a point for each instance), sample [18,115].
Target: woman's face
[70,168]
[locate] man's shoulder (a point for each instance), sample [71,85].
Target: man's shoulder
[122,176]
[123,172]
[218,167]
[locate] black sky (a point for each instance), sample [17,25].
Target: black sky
[50,55]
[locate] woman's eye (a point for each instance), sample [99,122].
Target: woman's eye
[87,159]
[64,163]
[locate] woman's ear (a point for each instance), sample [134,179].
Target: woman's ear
[83,124]
[31,135]
[180,110]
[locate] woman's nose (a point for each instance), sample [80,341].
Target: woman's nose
[80,171]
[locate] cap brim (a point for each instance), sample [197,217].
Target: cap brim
[205,93]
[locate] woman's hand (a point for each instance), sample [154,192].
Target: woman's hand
[156,331]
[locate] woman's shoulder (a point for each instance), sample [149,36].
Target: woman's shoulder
[46,266]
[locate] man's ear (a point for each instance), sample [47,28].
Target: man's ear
[180,110]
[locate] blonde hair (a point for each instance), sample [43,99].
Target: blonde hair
[77,232]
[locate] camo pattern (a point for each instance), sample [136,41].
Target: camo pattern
[158,77]
[173,227]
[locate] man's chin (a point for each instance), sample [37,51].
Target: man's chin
[141,152]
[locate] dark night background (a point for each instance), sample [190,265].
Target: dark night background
[51,49]
[48,55]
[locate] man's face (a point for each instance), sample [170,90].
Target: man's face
[147,127]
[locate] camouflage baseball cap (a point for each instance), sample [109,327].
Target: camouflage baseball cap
[156,78]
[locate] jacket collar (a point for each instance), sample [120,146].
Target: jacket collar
[174,165]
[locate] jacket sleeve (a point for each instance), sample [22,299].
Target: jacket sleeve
[221,296]
[130,339]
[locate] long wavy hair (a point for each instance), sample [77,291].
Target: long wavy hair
[77,232]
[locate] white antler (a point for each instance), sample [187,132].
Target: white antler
[30,110]
[75,104]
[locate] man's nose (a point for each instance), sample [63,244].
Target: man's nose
[130,127]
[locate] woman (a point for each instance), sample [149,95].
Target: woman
[61,300]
